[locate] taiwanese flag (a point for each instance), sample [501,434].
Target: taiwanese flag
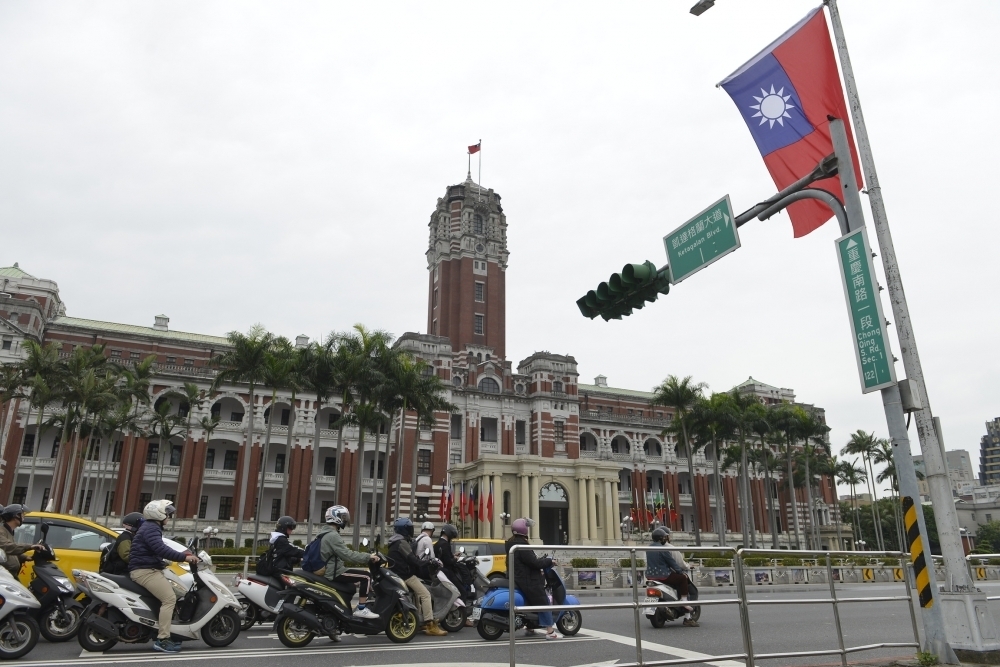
[482,499]
[475,148]
[461,504]
[472,504]
[786,93]
[443,503]
[489,505]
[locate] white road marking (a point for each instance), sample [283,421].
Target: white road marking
[660,648]
[113,657]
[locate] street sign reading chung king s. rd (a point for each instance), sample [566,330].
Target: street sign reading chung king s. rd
[703,239]
[868,328]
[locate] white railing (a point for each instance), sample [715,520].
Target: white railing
[214,473]
[520,449]
[366,484]
[588,454]
[488,447]
[40,464]
[326,481]
[621,456]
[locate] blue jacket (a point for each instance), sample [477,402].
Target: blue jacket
[148,550]
[659,562]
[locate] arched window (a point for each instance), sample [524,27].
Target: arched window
[489,385]
[477,225]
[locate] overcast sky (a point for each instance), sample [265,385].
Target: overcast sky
[233,163]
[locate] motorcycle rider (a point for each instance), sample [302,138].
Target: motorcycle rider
[336,554]
[118,553]
[425,541]
[528,576]
[145,567]
[444,553]
[12,517]
[406,565]
[285,555]
[665,563]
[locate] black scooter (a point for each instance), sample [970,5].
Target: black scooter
[312,605]
[60,613]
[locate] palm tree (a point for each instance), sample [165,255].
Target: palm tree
[864,444]
[851,474]
[192,398]
[92,394]
[811,429]
[765,433]
[208,425]
[320,373]
[883,455]
[682,395]
[244,363]
[117,419]
[278,368]
[43,394]
[743,412]
[710,415]
[421,391]
[135,390]
[294,382]
[37,370]
[165,425]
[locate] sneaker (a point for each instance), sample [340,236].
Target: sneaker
[166,646]
[553,635]
[528,632]
[364,613]
[691,623]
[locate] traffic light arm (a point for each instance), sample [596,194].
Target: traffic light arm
[826,168]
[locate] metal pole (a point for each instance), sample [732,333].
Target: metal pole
[836,612]
[635,606]
[510,601]
[741,591]
[894,416]
[934,465]
[907,573]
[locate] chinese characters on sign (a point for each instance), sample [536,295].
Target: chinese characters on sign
[701,240]
[868,327]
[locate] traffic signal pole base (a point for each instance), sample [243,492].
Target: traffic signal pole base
[971,628]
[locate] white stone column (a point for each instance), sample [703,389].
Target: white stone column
[581,508]
[496,526]
[614,531]
[533,503]
[524,508]
[592,507]
[484,493]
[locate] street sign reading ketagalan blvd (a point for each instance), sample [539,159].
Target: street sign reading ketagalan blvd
[703,239]
[868,327]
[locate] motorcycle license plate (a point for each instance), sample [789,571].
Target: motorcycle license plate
[649,611]
[476,613]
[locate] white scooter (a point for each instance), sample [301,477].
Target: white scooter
[657,591]
[122,610]
[260,599]
[18,628]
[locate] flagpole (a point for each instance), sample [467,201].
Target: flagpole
[480,169]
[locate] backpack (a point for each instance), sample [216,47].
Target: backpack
[265,562]
[311,559]
[111,562]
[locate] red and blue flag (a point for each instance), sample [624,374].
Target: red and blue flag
[786,94]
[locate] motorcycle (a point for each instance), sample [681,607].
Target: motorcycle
[123,611]
[18,628]
[312,605]
[491,612]
[475,582]
[657,591]
[259,596]
[60,612]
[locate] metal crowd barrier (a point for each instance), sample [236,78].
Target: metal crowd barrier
[748,656]
[984,557]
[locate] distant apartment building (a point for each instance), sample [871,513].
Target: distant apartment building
[960,473]
[989,454]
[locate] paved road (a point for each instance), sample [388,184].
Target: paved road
[607,637]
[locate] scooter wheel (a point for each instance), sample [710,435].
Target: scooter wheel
[570,623]
[455,620]
[658,620]
[251,615]
[94,642]
[291,633]
[58,628]
[488,631]
[402,627]
[11,647]
[223,629]
[696,614]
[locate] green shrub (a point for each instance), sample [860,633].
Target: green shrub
[717,562]
[756,561]
[791,562]
[297,543]
[232,551]
[583,562]
[230,543]
[993,561]
[248,542]
[709,554]
[627,562]
[927,659]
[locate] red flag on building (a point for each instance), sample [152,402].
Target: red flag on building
[489,505]
[482,501]
[475,148]
[472,504]
[443,504]
[461,504]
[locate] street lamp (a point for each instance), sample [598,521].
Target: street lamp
[702,6]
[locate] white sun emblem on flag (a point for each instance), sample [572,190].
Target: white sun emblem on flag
[772,107]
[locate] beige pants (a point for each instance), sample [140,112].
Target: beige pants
[156,583]
[423,598]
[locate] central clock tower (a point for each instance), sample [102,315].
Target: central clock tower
[467,264]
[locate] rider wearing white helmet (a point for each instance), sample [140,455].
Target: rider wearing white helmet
[337,555]
[145,567]
[423,545]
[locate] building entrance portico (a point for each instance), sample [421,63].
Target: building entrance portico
[553,514]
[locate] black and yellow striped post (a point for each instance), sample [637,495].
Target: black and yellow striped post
[916,545]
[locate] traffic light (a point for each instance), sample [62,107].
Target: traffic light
[631,288]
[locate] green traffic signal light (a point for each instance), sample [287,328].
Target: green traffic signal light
[624,291]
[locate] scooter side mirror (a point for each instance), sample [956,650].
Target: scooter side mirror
[427,551]
[461,550]
[45,528]
[364,541]
[3,555]
[378,541]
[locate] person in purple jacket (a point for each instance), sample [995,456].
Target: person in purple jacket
[145,567]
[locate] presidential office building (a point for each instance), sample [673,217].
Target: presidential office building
[575,456]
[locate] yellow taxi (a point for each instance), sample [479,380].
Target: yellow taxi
[491,554]
[76,542]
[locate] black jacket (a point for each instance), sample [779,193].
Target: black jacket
[402,559]
[443,552]
[528,576]
[286,554]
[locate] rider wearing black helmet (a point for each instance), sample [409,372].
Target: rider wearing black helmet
[406,564]
[664,563]
[286,555]
[116,559]
[13,517]
[443,550]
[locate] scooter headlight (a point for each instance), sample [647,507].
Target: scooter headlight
[65,585]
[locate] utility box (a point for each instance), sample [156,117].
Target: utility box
[909,395]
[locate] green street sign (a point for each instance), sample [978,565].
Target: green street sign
[868,328]
[703,239]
